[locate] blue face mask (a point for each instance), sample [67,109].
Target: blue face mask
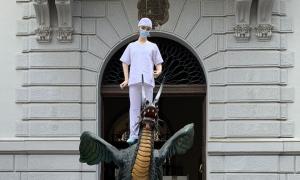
[144,33]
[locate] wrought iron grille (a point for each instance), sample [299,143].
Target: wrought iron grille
[180,65]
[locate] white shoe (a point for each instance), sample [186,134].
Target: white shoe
[131,140]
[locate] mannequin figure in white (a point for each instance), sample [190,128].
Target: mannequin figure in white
[142,55]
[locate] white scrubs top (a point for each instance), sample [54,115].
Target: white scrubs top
[141,58]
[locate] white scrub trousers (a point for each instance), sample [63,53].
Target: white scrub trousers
[135,96]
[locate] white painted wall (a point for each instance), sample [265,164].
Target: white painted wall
[294,73]
[10,11]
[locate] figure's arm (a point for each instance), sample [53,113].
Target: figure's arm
[157,60]
[158,70]
[125,72]
[126,60]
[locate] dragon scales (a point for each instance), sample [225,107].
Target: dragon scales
[141,167]
[139,161]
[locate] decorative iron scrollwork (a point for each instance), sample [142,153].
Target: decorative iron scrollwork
[180,65]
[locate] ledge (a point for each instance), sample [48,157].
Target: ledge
[257,146]
[168,90]
[39,145]
[214,147]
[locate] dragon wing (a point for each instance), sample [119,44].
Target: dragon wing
[179,143]
[94,149]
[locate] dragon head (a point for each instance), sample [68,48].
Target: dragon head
[149,113]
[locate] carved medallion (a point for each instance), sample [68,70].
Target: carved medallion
[156,10]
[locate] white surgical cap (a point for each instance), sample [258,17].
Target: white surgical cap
[145,22]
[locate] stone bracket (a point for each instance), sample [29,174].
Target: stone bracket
[242,19]
[264,25]
[43,31]
[264,16]
[64,13]
[242,32]
[264,31]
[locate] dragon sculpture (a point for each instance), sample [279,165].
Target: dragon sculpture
[139,161]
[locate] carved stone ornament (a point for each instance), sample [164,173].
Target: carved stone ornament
[64,15]
[64,34]
[43,34]
[264,16]
[242,32]
[156,10]
[242,20]
[43,31]
[264,31]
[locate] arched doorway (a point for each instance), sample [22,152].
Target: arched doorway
[182,102]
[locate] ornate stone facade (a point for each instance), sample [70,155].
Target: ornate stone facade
[249,132]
